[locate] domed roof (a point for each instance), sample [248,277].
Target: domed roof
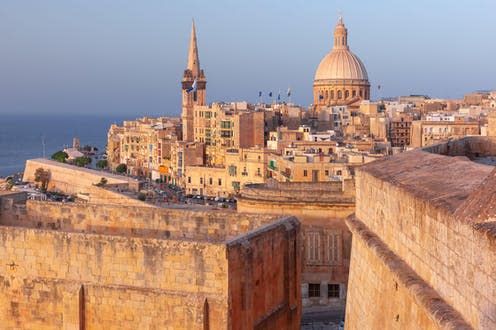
[341,63]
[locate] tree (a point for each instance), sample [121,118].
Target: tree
[102,182]
[42,176]
[102,163]
[82,161]
[10,182]
[60,156]
[121,168]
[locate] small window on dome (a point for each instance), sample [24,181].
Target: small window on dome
[346,94]
[340,95]
[361,94]
[353,93]
[332,95]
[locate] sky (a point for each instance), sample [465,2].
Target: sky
[126,57]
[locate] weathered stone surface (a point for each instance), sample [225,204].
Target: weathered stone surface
[72,266]
[433,213]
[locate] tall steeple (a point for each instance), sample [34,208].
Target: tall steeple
[193,87]
[341,35]
[193,58]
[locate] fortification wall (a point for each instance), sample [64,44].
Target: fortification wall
[72,179]
[371,280]
[454,257]
[158,275]
[264,277]
[57,275]
[133,221]
[473,146]
[104,195]
[301,210]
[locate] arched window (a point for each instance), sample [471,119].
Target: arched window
[340,95]
[326,95]
[346,94]
[332,95]
[353,93]
[361,94]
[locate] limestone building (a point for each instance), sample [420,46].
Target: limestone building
[322,208]
[341,77]
[424,245]
[144,145]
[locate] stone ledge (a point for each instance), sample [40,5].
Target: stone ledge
[443,314]
[291,221]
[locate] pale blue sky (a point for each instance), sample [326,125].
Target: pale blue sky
[127,57]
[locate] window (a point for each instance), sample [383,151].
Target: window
[326,172]
[220,182]
[235,185]
[340,95]
[201,180]
[333,290]
[332,95]
[313,290]
[346,94]
[333,246]
[233,170]
[354,93]
[313,246]
[189,179]
[210,181]
[305,173]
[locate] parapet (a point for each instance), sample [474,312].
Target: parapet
[333,192]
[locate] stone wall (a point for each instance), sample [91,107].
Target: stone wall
[479,146]
[72,179]
[394,307]
[258,302]
[77,266]
[133,221]
[167,268]
[454,257]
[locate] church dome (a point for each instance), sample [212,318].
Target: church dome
[341,63]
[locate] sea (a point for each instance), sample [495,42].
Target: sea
[24,137]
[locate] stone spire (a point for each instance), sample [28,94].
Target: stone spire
[340,35]
[193,59]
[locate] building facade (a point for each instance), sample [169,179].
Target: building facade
[321,208]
